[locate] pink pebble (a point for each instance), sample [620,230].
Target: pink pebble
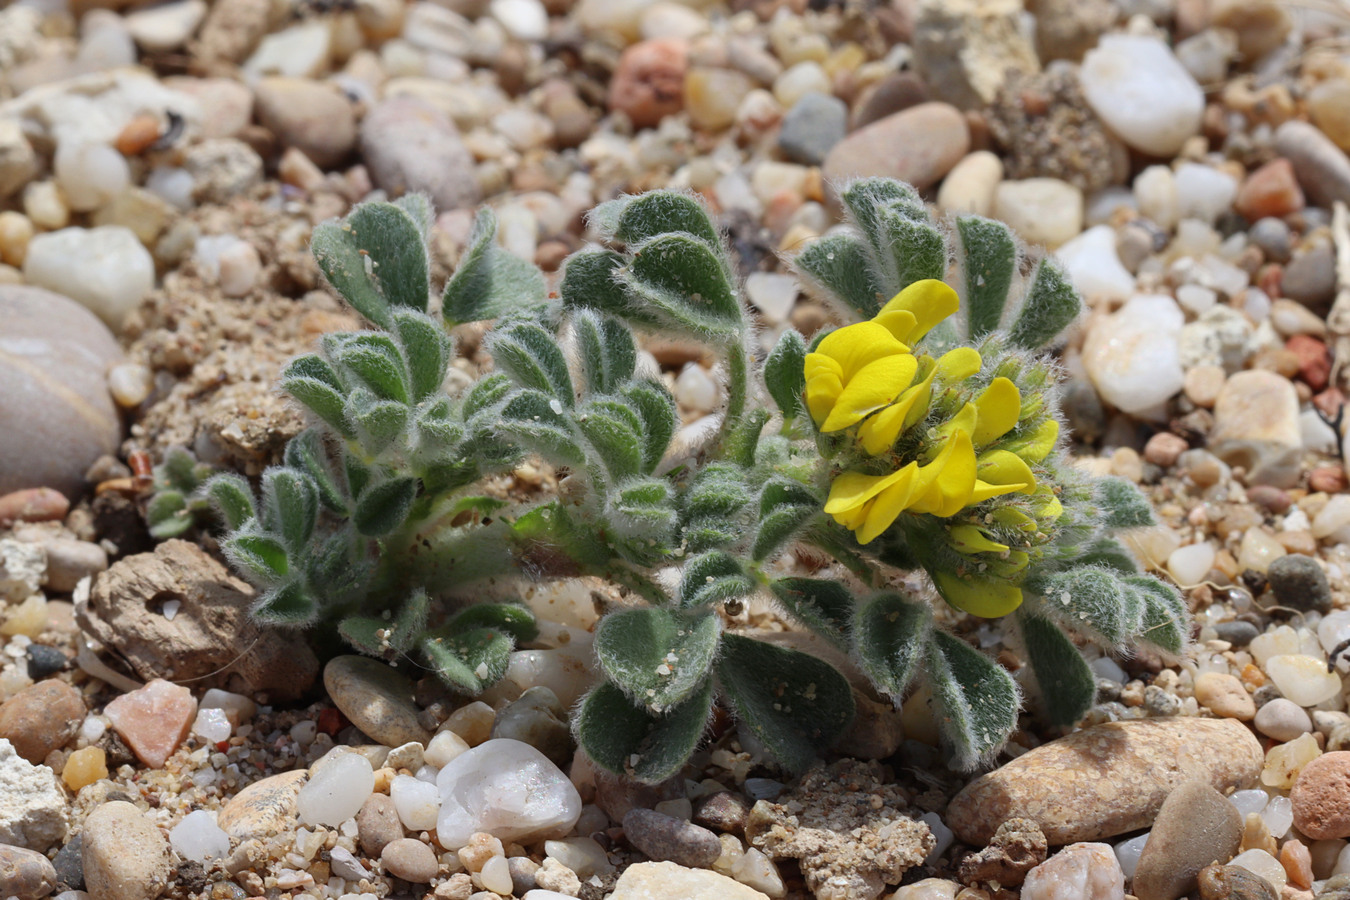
[153,720]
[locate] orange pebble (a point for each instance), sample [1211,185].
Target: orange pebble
[138,135]
[1297,862]
[84,767]
[1253,676]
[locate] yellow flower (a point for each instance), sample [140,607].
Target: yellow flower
[988,599]
[854,372]
[917,309]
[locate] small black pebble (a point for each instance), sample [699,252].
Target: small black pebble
[1299,583]
[69,864]
[44,661]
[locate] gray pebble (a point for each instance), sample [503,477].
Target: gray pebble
[1196,825]
[1159,702]
[1235,883]
[44,660]
[1310,278]
[376,698]
[25,874]
[409,145]
[1264,694]
[1322,168]
[377,824]
[69,863]
[812,127]
[1273,237]
[537,718]
[522,870]
[409,859]
[68,561]
[668,839]
[344,864]
[1299,582]
[1337,887]
[1239,633]
[1282,720]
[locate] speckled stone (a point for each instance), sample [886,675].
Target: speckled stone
[41,718]
[1196,827]
[25,874]
[1321,797]
[1108,779]
[376,698]
[264,808]
[125,855]
[666,838]
[409,859]
[377,824]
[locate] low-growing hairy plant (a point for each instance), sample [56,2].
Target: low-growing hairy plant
[177,501]
[923,436]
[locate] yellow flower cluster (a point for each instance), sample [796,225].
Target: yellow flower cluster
[866,376]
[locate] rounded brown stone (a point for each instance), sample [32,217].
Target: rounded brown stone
[1108,779]
[1196,827]
[919,145]
[1321,797]
[41,718]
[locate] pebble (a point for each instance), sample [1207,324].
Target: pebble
[18,161]
[1041,210]
[41,718]
[165,26]
[927,889]
[966,50]
[1300,583]
[84,767]
[417,802]
[668,881]
[812,127]
[919,146]
[410,859]
[32,803]
[376,698]
[1310,277]
[1239,633]
[153,720]
[1094,265]
[1322,168]
[1142,92]
[1225,696]
[1271,190]
[1234,883]
[378,823]
[409,145]
[125,857]
[336,790]
[312,116]
[44,660]
[53,391]
[1155,193]
[1282,719]
[581,855]
[1082,871]
[666,838]
[90,174]
[1256,426]
[22,568]
[894,93]
[1329,108]
[1131,356]
[713,96]
[1303,679]
[1203,192]
[1107,779]
[1321,797]
[198,837]
[106,269]
[1190,565]
[505,788]
[69,561]
[1195,826]
[25,874]
[649,82]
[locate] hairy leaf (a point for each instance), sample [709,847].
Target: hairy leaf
[167,515]
[889,633]
[261,556]
[976,700]
[1051,304]
[312,382]
[289,605]
[306,452]
[656,408]
[605,350]
[530,418]
[633,220]
[374,360]
[426,350]
[785,374]
[1094,601]
[1122,504]
[838,265]
[713,577]
[489,281]
[511,618]
[784,508]
[1165,623]
[468,661]
[685,284]
[988,258]
[532,357]
[917,248]
[290,507]
[383,508]
[626,739]
[658,657]
[376,258]
[826,607]
[615,431]
[232,498]
[378,423]
[1064,680]
[795,704]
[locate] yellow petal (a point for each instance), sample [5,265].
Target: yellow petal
[943,487]
[1000,404]
[916,399]
[970,539]
[824,384]
[1002,467]
[886,508]
[852,489]
[984,490]
[929,300]
[899,322]
[964,421]
[1052,509]
[879,432]
[979,597]
[962,362]
[869,390]
[856,346]
[1037,446]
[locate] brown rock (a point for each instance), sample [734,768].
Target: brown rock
[1271,190]
[265,807]
[124,855]
[1164,448]
[1106,780]
[409,859]
[232,29]
[25,874]
[1234,883]
[312,116]
[41,718]
[33,505]
[1195,827]
[1314,359]
[919,145]
[648,83]
[1321,797]
[1225,696]
[377,824]
[895,93]
[210,641]
[1018,847]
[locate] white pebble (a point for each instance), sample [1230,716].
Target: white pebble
[1196,299]
[524,20]
[496,876]
[1249,801]
[1132,355]
[1263,864]
[1278,816]
[130,384]
[345,865]
[238,707]
[92,728]
[582,855]
[1155,190]
[695,389]
[416,802]
[1191,563]
[1303,679]
[506,788]
[173,185]
[1128,852]
[1108,668]
[303,733]
[444,747]
[90,174]
[1094,265]
[199,838]
[336,791]
[1203,192]
[212,725]
[757,871]
[106,269]
[773,294]
[942,837]
[1142,93]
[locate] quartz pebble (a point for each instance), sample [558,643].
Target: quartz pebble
[91,175]
[1094,265]
[198,837]
[665,838]
[1282,719]
[1107,779]
[417,802]
[411,860]
[336,790]
[668,881]
[1303,679]
[1263,865]
[1131,355]
[1256,426]
[106,268]
[1041,210]
[153,720]
[1085,870]
[1142,93]
[505,788]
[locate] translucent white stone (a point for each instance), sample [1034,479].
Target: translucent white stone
[1191,563]
[344,864]
[199,838]
[695,389]
[1142,92]
[582,855]
[171,184]
[303,733]
[1128,852]
[1331,523]
[1196,298]
[1274,643]
[106,268]
[772,293]
[1263,864]
[427,773]
[1203,192]
[130,384]
[1087,871]
[1155,190]
[942,836]
[1278,816]
[444,747]
[416,802]
[1303,679]
[1342,866]
[1094,266]
[336,790]
[1249,801]
[1108,668]
[496,876]
[238,707]
[1132,356]
[212,725]
[524,20]
[508,789]
[90,174]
